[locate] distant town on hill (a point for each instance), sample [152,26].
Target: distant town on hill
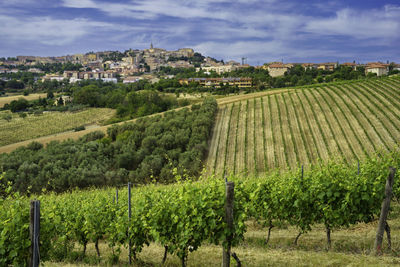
[184,64]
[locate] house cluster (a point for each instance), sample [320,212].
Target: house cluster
[100,66]
[218,82]
[83,59]
[135,64]
[148,60]
[75,76]
[210,65]
[277,69]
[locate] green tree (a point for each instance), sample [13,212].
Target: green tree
[22,115]
[7,117]
[18,105]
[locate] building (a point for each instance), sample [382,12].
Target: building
[75,76]
[218,69]
[184,52]
[216,82]
[35,70]
[330,66]
[348,64]
[52,77]
[131,79]
[278,69]
[129,60]
[71,74]
[378,68]
[180,64]
[396,67]
[26,59]
[109,80]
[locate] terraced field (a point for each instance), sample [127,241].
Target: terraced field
[20,129]
[297,127]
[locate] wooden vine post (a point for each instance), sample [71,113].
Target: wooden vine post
[129,223]
[382,225]
[226,252]
[34,231]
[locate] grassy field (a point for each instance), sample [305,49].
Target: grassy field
[350,247]
[8,99]
[289,128]
[20,129]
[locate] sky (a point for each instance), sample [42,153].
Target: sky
[261,31]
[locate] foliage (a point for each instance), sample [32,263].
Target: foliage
[139,152]
[19,105]
[183,216]
[7,117]
[79,128]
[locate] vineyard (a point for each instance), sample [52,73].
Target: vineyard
[185,216]
[348,121]
[33,126]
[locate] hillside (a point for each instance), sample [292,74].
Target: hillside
[50,123]
[296,127]
[7,99]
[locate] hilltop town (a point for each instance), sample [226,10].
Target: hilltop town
[151,64]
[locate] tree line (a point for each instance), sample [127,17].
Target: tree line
[141,152]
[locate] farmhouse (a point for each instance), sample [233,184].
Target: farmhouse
[278,69]
[327,66]
[378,68]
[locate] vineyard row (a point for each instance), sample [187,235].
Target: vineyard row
[349,121]
[184,216]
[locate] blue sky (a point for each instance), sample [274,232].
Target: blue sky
[262,31]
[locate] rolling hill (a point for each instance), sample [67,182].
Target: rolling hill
[290,128]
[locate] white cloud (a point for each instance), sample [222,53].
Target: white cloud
[154,8]
[47,30]
[79,4]
[267,29]
[375,24]
[260,50]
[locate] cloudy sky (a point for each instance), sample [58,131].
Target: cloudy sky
[262,31]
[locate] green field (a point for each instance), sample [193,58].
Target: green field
[298,127]
[7,99]
[33,126]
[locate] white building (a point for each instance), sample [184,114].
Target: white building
[378,68]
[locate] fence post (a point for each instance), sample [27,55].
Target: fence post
[226,253]
[129,221]
[34,231]
[116,195]
[384,212]
[302,175]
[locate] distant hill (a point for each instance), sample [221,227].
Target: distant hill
[296,127]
